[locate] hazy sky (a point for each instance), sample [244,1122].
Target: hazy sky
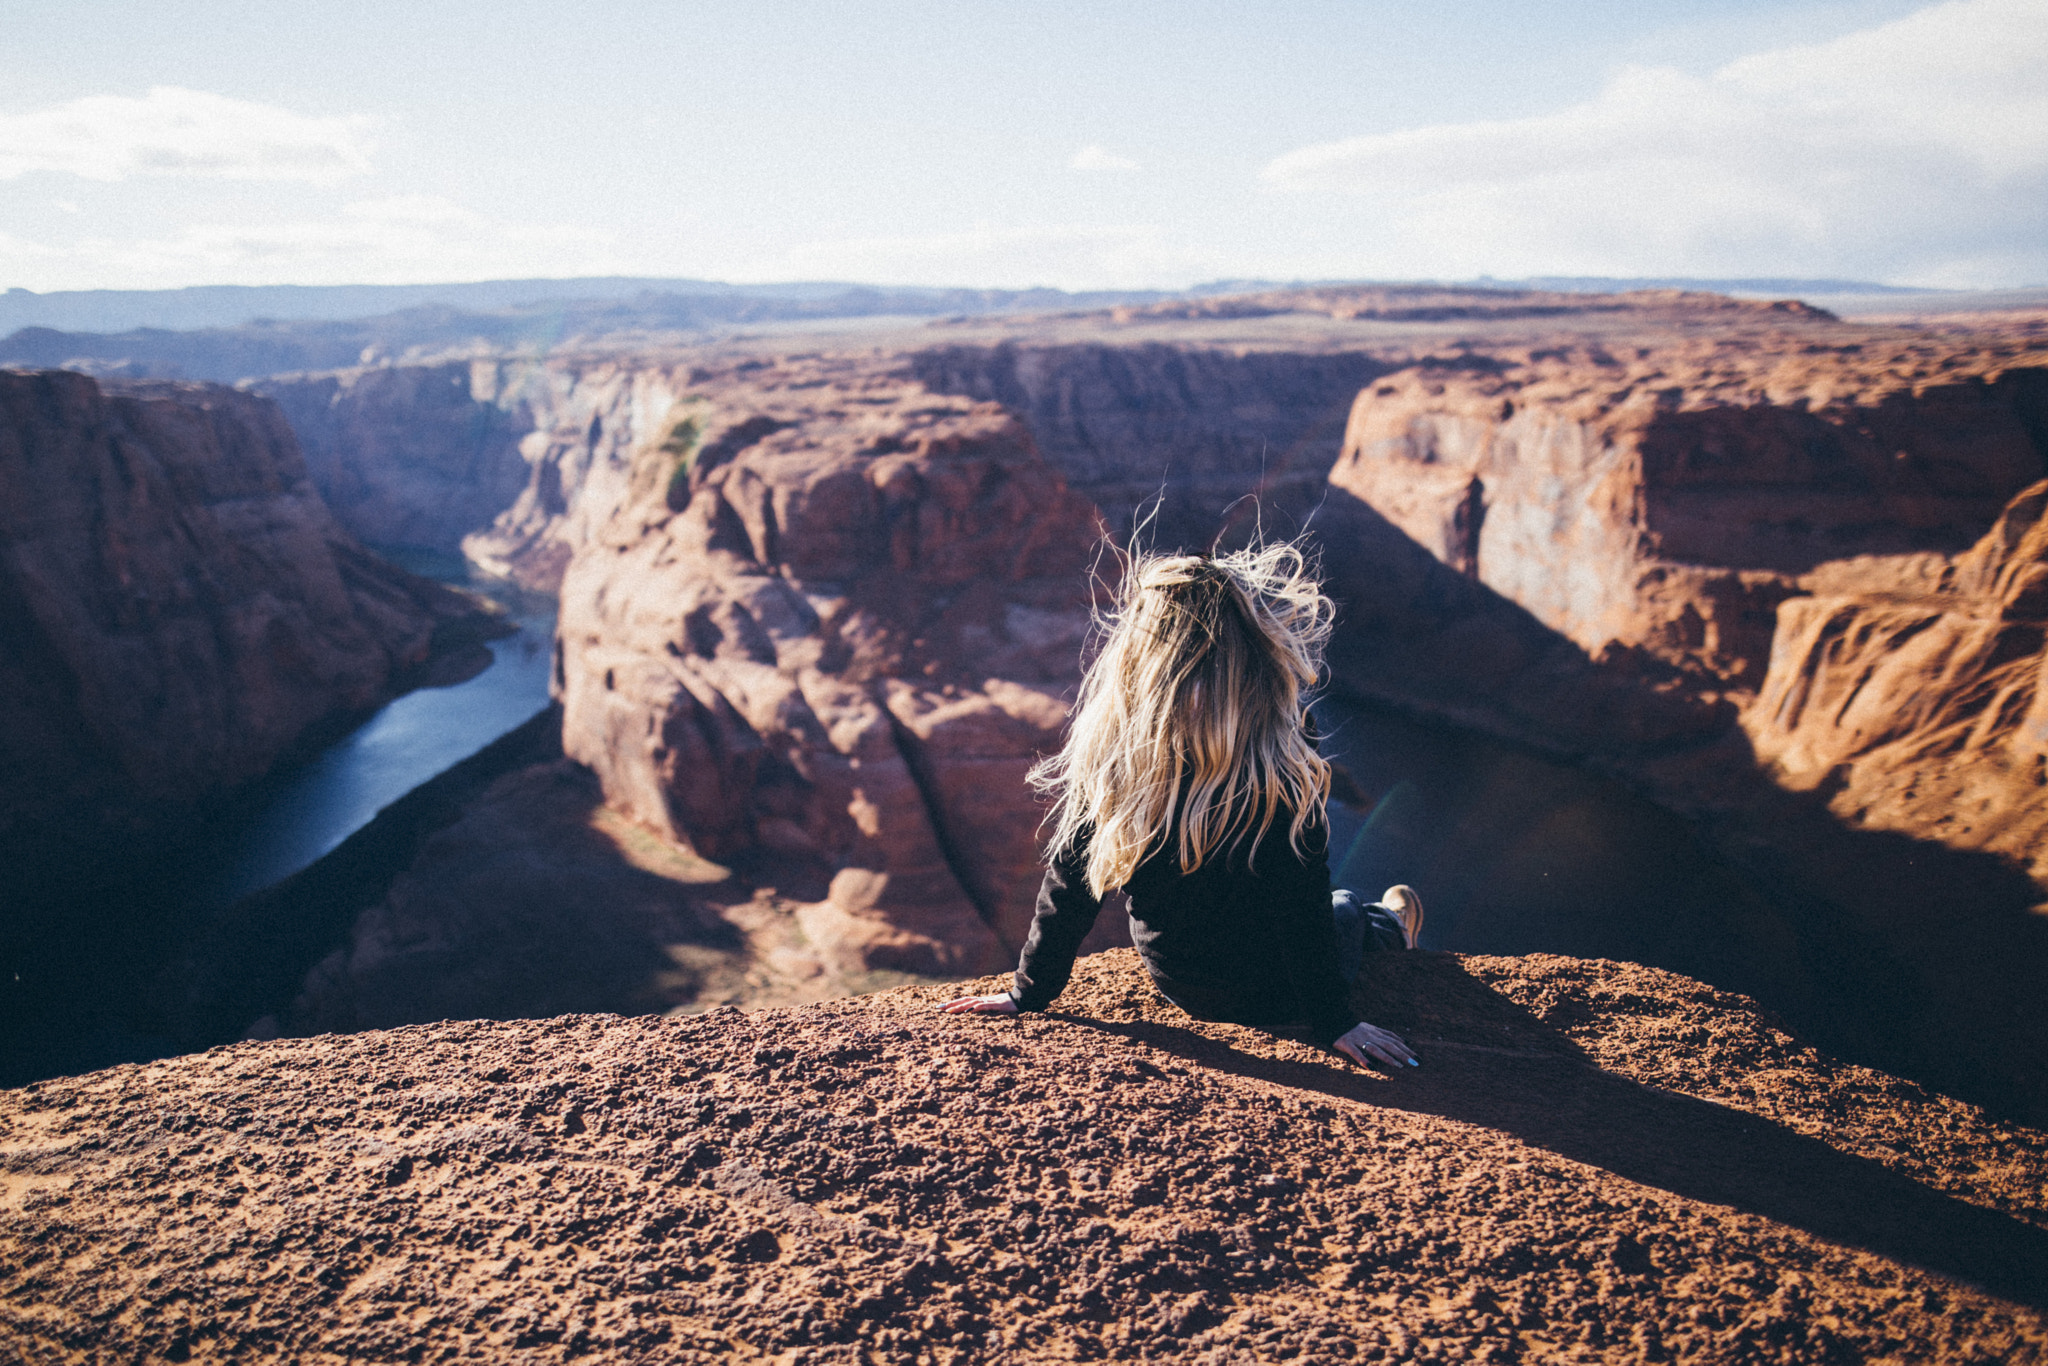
[1106,143]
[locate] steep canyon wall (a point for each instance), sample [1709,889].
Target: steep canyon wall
[1763,528]
[517,461]
[819,615]
[1194,429]
[833,635]
[415,455]
[823,626]
[179,606]
[1792,591]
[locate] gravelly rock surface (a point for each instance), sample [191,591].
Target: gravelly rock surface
[1596,1162]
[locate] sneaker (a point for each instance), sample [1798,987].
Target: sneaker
[1407,907]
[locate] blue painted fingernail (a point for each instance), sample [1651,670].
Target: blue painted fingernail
[1413,1063]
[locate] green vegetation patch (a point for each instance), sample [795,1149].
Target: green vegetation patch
[667,462]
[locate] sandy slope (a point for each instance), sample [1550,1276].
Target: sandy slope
[1596,1162]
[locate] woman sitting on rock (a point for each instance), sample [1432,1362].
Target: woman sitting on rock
[1190,779]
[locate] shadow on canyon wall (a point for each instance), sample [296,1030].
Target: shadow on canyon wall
[1903,953]
[1548,1093]
[117,955]
[1166,435]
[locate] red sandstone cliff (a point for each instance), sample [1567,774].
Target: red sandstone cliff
[518,462]
[177,605]
[415,455]
[818,623]
[1914,690]
[1789,587]
[831,623]
[515,462]
[1670,500]
[850,732]
[1181,433]
[1713,514]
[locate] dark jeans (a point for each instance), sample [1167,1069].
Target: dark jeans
[1362,926]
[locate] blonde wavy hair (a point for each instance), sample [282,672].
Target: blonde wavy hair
[1190,716]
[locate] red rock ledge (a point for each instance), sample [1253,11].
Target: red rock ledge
[1596,1162]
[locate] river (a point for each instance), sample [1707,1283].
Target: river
[292,818]
[1515,853]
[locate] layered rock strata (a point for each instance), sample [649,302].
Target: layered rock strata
[516,462]
[1596,1162]
[1669,500]
[832,620]
[178,605]
[513,462]
[1199,444]
[1914,690]
[1697,517]
[415,455]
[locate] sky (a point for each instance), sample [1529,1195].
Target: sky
[1097,144]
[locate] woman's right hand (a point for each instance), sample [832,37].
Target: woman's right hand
[1002,1003]
[1384,1045]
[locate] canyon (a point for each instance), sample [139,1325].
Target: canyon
[822,598]
[1586,528]
[181,615]
[1790,590]
[1732,589]
[180,607]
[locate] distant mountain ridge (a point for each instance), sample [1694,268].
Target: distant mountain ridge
[1775,286]
[211,306]
[207,306]
[277,346]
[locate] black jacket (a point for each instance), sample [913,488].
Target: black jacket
[1245,941]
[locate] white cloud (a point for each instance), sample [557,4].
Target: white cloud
[1914,151]
[177,132]
[1096,157]
[1061,256]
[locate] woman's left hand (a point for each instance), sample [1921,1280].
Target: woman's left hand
[1002,1003]
[1381,1044]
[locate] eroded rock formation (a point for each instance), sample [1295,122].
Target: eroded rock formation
[415,455]
[832,620]
[1606,544]
[517,461]
[1765,527]
[1595,1161]
[178,606]
[1669,500]
[1789,588]
[514,462]
[1915,690]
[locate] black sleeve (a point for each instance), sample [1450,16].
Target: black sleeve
[1066,912]
[1309,939]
